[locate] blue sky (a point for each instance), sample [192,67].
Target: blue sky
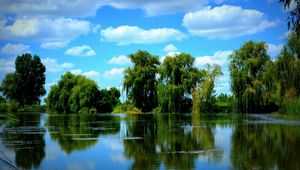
[93,38]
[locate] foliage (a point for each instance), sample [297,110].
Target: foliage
[247,68]
[294,17]
[26,84]
[203,95]
[126,108]
[178,78]
[108,99]
[78,94]
[140,80]
[288,73]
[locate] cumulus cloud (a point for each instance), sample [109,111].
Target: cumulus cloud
[120,60]
[14,49]
[219,57]
[91,74]
[53,33]
[7,65]
[226,22]
[96,28]
[84,8]
[83,51]
[52,65]
[170,48]
[125,35]
[274,50]
[114,73]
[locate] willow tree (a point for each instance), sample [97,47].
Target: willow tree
[178,78]
[140,80]
[246,72]
[78,94]
[288,72]
[203,94]
[293,6]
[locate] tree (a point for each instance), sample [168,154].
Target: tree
[294,16]
[108,99]
[288,72]
[178,78]
[26,84]
[203,95]
[72,94]
[140,80]
[246,72]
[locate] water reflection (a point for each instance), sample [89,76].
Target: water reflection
[149,142]
[266,146]
[79,132]
[169,140]
[26,138]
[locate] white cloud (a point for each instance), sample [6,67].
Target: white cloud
[14,49]
[274,50]
[84,8]
[54,45]
[83,51]
[219,57]
[114,73]
[120,60]
[52,65]
[159,7]
[53,33]
[96,28]
[125,35]
[77,71]
[91,74]
[7,65]
[226,22]
[170,48]
[52,8]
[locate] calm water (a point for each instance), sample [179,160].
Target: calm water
[51,142]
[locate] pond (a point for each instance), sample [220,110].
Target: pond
[169,141]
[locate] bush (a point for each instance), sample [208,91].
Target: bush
[13,106]
[126,108]
[292,106]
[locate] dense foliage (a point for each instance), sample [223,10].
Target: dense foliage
[78,94]
[262,85]
[178,78]
[246,71]
[140,80]
[26,84]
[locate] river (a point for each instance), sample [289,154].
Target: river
[149,141]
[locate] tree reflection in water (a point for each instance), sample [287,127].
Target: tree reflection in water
[172,140]
[265,146]
[79,132]
[23,135]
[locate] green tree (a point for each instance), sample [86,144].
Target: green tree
[203,95]
[140,80]
[246,72]
[288,72]
[26,84]
[73,94]
[108,99]
[178,78]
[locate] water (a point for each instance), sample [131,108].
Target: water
[106,141]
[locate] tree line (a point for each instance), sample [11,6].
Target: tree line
[175,85]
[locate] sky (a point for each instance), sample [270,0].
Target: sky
[94,37]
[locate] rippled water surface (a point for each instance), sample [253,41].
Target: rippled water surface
[119,141]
